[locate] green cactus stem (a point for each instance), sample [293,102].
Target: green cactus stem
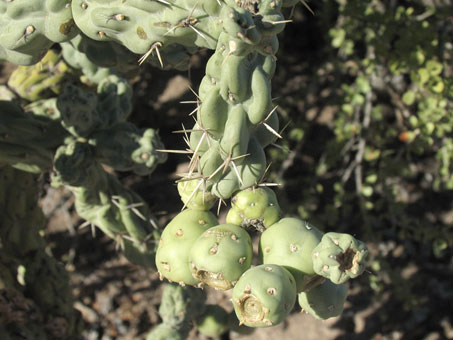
[179,307]
[102,200]
[29,31]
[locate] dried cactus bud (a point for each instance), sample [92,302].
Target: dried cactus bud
[255,208]
[290,243]
[220,256]
[214,321]
[264,295]
[339,257]
[324,301]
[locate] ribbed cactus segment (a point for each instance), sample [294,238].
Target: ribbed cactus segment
[103,201]
[264,296]
[79,61]
[42,80]
[139,25]
[35,296]
[84,112]
[30,29]
[290,243]
[125,147]
[87,54]
[179,307]
[221,255]
[114,100]
[254,208]
[213,322]
[25,140]
[172,257]
[236,120]
[339,257]
[324,301]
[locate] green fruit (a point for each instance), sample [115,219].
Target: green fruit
[214,321]
[339,257]
[220,256]
[290,243]
[194,195]
[264,295]
[324,301]
[172,257]
[255,208]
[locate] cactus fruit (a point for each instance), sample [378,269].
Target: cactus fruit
[194,195]
[264,295]
[339,257]
[255,208]
[220,255]
[290,243]
[172,257]
[213,322]
[324,301]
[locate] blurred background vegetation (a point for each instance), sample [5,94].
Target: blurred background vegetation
[365,89]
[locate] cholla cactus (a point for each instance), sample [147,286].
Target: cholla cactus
[235,120]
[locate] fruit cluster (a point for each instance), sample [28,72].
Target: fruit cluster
[298,260]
